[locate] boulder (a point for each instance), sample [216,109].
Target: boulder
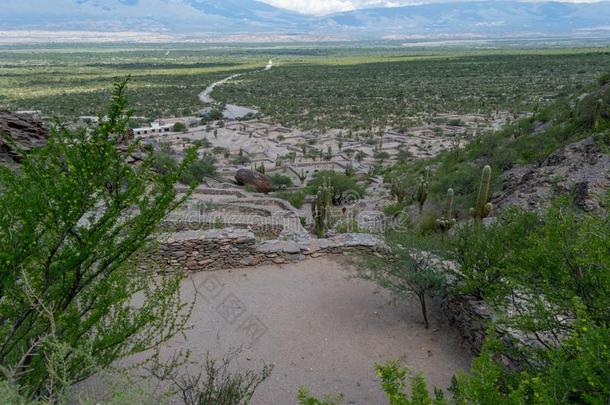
[20,133]
[259,181]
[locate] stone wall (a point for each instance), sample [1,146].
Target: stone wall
[228,248]
[472,318]
[261,231]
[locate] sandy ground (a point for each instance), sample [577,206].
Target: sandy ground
[320,328]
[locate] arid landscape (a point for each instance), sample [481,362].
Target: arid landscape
[301,205]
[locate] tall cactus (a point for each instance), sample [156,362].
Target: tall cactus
[446,222]
[399,189]
[320,208]
[482,209]
[422,190]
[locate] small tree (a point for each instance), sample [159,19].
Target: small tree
[412,269]
[179,127]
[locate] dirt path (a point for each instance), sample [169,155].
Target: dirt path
[321,329]
[231,111]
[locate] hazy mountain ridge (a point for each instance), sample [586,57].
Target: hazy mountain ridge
[494,18]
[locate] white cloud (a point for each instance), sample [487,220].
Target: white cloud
[331,6]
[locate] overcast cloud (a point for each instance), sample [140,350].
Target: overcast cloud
[330,6]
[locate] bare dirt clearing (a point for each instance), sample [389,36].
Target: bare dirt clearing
[319,327]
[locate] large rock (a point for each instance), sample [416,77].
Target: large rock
[581,168]
[20,132]
[259,181]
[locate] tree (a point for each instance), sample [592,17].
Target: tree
[179,127]
[412,269]
[76,219]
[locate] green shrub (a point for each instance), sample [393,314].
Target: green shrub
[179,127]
[164,163]
[73,254]
[280,181]
[198,170]
[295,198]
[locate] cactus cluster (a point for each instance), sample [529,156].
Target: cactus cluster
[446,222]
[320,208]
[482,209]
[260,168]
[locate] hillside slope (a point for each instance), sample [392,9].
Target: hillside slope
[562,149]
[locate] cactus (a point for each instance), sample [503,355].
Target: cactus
[482,209]
[302,176]
[597,113]
[320,208]
[349,170]
[399,189]
[446,222]
[261,168]
[422,189]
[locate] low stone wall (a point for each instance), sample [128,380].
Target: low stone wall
[472,317]
[233,248]
[262,230]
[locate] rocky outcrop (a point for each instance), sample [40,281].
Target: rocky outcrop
[581,168]
[259,181]
[20,133]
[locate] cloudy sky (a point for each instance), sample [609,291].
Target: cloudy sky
[329,6]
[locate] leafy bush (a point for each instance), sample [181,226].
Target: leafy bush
[179,127]
[280,182]
[164,163]
[216,383]
[198,170]
[70,253]
[296,198]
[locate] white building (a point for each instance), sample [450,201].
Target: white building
[155,128]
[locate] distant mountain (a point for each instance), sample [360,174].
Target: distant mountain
[480,18]
[175,16]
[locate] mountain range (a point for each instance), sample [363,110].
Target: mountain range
[221,17]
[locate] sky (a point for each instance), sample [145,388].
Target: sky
[331,6]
